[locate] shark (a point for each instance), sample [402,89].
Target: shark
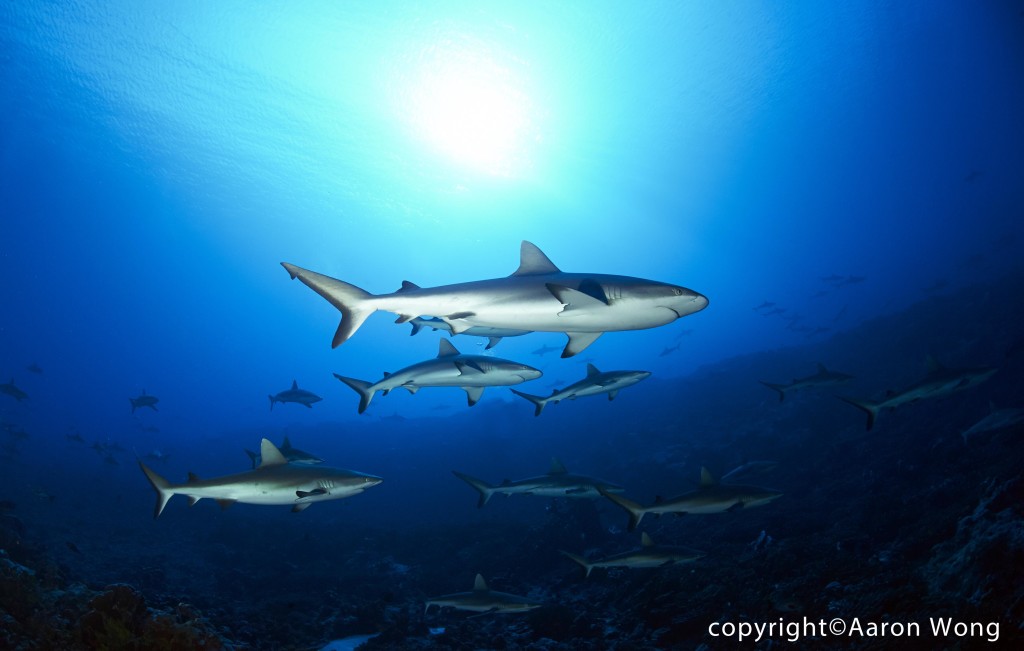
[544,350]
[823,377]
[749,469]
[144,401]
[483,600]
[649,555]
[997,419]
[595,383]
[292,454]
[557,483]
[275,481]
[538,296]
[472,373]
[295,394]
[13,391]
[493,335]
[937,383]
[710,497]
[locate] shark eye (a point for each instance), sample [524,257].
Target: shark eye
[677,291]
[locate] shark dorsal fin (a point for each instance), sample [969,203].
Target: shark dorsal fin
[592,370]
[407,286]
[270,455]
[822,369]
[645,540]
[192,477]
[532,261]
[479,585]
[932,364]
[295,385]
[706,478]
[387,373]
[446,349]
[557,468]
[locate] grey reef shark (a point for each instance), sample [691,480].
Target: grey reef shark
[13,391]
[296,395]
[557,483]
[997,419]
[144,401]
[710,497]
[472,373]
[649,555]
[595,383]
[939,382]
[275,481]
[823,377]
[493,335]
[292,454]
[483,600]
[538,296]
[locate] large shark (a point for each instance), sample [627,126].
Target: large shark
[649,555]
[940,381]
[557,483]
[493,335]
[538,296]
[275,481]
[483,600]
[13,391]
[710,497]
[593,384]
[144,401]
[292,454]
[472,373]
[823,377]
[996,420]
[295,394]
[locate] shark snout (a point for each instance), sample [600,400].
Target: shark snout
[528,373]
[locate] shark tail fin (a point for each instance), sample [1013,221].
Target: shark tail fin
[131,400]
[482,487]
[776,387]
[538,402]
[362,387]
[870,408]
[350,300]
[635,510]
[416,327]
[582,561]
[252,457]
[271,398]
[162,488]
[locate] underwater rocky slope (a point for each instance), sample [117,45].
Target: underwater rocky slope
[902,523]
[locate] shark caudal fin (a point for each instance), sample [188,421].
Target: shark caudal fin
[538,402]
[482,487]
[363,388]
[131,400]
[776,387]
[635,510]
[870,408]
[349,299]
[582,561]
[253,457]
[271,398]
[162,488]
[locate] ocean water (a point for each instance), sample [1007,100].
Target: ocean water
[842,181]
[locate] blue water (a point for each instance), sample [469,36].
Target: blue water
[158,162]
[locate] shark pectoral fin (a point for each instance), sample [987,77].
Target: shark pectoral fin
[405,318]
[224,504]
[192,499]
[735,507]
[574,302]
[578,341]
[298,508]
[457,322]
[411,388]
[612,394]
[473,394]
[468,368]
[492,342]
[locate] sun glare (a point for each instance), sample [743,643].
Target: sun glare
[470,107]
